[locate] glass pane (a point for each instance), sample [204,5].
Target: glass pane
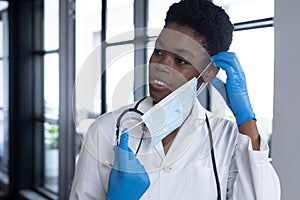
[51,161]
[88,64]
[4,125]
[3,5]
[3,141]
[88,29]
[87,90]
[51,26]
[51,85]
[1,39]
[119,20]
[247,10]
[157,13]
[119,76]
[1,84]
[257,60]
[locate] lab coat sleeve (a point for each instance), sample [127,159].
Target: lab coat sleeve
[86,182]
[251,175]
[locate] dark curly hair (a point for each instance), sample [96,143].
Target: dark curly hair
[207,20]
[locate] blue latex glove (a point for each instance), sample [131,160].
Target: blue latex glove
[128,179]
[234,91]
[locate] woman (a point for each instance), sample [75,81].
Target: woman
[199,156]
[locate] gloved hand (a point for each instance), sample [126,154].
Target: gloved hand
[234,91]
[128,179]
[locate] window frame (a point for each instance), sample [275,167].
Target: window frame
[140,40]
[66,53]
[4,180]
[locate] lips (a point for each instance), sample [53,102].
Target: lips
[158,84]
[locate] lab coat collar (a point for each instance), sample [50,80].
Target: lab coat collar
[198,111]
[187,133]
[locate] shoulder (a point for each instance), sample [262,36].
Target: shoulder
[222,124]
[217,123]
[225,131]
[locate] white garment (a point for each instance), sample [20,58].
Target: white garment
[186,171]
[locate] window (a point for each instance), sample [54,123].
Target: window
[88,66]
[51,95]
[253,42]
[4,107]
[119,71]
[119,20]
[47,93]
[247,10]
[110,57]
[105,57]
[157,12]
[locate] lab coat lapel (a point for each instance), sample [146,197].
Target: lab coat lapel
[186,134]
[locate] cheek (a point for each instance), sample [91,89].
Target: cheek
[188,74]
[152,63]
[153,59]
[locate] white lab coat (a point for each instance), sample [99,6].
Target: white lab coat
[186,171]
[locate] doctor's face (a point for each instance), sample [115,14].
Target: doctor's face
[177,58]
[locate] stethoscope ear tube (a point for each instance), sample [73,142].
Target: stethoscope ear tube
[134,109]
[213,158]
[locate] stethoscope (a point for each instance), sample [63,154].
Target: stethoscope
[136,110]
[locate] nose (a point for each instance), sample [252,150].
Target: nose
[162,68]
[164,64]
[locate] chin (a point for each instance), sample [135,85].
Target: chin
[158,96]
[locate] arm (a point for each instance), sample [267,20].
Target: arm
[236,95]
[86,182]
[251,175]
[249,128]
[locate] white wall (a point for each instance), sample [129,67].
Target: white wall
[286,129]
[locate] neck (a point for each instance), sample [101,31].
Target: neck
[168,140]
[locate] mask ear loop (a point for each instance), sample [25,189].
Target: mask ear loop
[204,84]
[201,88]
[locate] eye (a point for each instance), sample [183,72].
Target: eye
[182,61]
[157,52]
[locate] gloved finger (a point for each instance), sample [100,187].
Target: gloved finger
[124,143]
[227,68]
[221,88]
[124,139]
[230,58]
[127,165]
[231,73]
[124,160]
[224,65]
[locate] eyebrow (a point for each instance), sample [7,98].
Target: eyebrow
[159,41]
[185,52]
[180,52]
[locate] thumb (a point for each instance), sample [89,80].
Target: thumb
[124,139]
[221,88]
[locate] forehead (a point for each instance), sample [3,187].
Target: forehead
[182,41]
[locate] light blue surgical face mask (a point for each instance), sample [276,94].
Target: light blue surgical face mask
[170,113]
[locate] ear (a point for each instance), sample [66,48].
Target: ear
[210,73]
